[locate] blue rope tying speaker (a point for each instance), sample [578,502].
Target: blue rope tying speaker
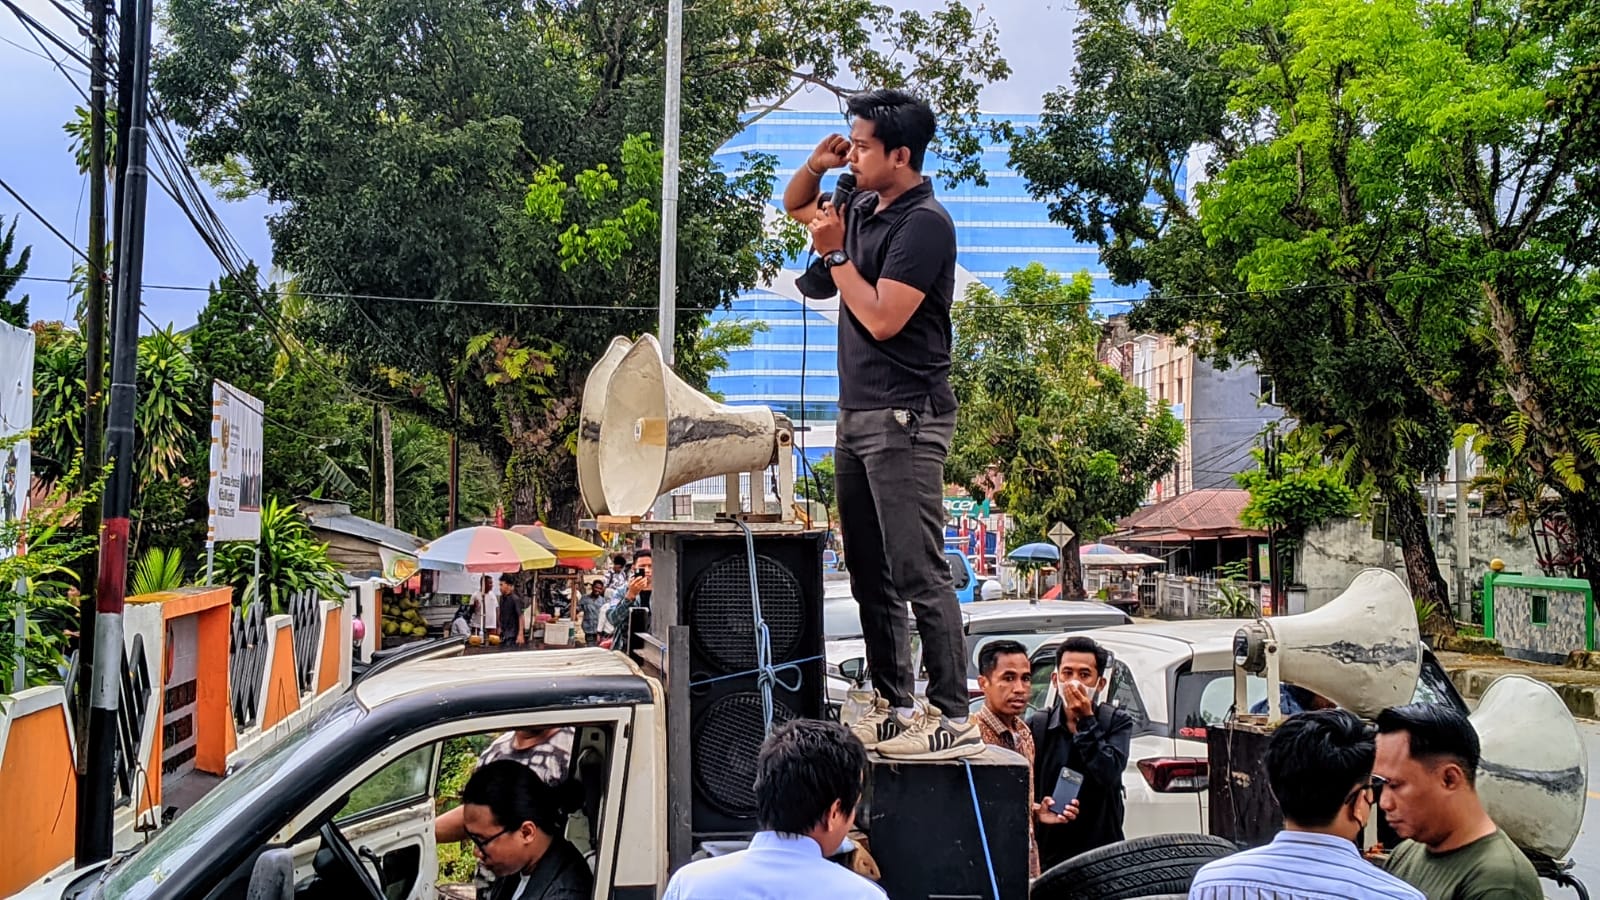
[983,836]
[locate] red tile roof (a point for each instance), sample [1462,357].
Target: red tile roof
[1205,514]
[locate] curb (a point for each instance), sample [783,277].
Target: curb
[1583,700]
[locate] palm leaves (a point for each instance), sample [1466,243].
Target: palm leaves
[157,571]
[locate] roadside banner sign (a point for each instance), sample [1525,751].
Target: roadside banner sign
[236,445]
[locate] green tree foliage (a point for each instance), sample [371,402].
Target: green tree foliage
[12,312]
[1073,441]
[1271,261]
[291,561]
[166,442]
[817,485]
[1298,493]
[45,573]
[493,162]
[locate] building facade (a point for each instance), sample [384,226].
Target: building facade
[1223,411]
[792,365]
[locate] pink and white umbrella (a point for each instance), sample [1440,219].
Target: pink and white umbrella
[484,548]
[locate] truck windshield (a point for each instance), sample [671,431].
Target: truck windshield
[215,817]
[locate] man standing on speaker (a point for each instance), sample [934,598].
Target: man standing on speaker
[891,251]
[1082,744]
[1427,765]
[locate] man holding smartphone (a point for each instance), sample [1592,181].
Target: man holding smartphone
[891,252]
[1080,744]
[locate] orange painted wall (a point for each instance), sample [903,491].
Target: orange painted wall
[332,636]
[283,691]
[214,735]
[40,786]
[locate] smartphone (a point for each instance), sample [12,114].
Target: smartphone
[1067,787]
[638,573]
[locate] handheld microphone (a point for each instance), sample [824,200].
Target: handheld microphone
[843,189]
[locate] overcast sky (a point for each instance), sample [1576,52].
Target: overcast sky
[35,159]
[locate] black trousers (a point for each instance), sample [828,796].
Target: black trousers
[889,475]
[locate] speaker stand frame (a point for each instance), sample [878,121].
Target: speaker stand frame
[760,510]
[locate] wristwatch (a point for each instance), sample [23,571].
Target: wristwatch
[836,258]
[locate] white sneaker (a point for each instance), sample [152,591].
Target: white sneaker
[857,703]
[879,724]
[931,736]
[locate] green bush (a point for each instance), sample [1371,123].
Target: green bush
[457,862]
[291,560]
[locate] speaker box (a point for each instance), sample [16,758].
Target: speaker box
[710,580]
[923,832]
[1242,808]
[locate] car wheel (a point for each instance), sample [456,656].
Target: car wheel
[1132,870]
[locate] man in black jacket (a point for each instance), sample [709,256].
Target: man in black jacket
[1091,739]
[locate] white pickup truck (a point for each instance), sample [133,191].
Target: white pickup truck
[344,808]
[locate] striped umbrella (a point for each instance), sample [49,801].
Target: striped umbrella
[570,550]
[484,548]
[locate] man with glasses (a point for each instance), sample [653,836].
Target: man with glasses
[1319,765]
[516,823]
[544,751]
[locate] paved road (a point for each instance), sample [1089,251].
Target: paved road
[1587,850]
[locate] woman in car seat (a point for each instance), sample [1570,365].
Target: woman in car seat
[517,822]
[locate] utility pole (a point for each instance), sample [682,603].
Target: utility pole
[1271,454]
[454,504]
[95,829]
[1463,539]
[667,310]
[94,335]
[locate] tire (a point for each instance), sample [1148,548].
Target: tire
[1131,870]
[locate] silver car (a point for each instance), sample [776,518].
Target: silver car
[1027,622]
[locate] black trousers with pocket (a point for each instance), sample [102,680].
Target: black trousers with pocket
[889,477]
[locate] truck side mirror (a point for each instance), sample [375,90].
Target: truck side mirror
[853,669]
[272,877]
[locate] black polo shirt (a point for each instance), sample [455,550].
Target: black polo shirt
[912,242]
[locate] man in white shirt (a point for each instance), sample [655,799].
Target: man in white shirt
[808,781]
[1320,767]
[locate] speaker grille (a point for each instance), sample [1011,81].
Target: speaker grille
[722,623]
[727,741]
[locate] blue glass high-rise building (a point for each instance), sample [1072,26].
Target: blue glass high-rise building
[791,366]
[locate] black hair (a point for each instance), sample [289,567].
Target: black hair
[1315,760]
[619,560]
[641,553]
[803,767]
[514,794]
[989,656]
[1436,733]
[1080,644]
[899,119]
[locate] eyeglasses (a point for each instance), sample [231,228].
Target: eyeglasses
[482,843]
[1373,788]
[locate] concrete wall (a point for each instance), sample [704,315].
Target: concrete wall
[1224,418]
[1566,625]
[1330,557]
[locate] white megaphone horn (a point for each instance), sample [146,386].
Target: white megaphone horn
[590,414]
[1362,650]
[657,433]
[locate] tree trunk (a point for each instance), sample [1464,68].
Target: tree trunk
[1422,566]
[1072,571]
[1583,514]
[387,425]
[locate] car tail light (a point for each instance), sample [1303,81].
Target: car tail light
[1175,774]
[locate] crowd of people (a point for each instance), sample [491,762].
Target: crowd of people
[503,610]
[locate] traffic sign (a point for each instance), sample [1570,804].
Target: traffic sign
[1060,534]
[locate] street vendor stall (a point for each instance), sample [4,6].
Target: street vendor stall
[558,621]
